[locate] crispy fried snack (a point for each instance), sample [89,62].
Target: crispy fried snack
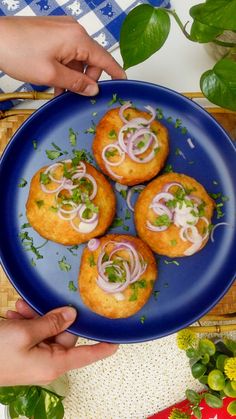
[42,212]
[129,172]
[178,225]
[121,304]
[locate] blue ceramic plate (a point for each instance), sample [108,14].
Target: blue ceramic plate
[186,288]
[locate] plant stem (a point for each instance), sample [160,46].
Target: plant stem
[179,23]
[224,44]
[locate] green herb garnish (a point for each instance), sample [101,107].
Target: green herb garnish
[112,135]
[113,100]
[127,215]
[63,265]
[72,137]
[117,222]
[169,262]
[159,113]
[93,101]
[44,178]
[91,260]
[168,168]
[173,242]
[156,294]
[22,183]
[53,154]
[72,248]
[35,145]
[142,319]
[39,203]
[123,193]
[29,246]
[125,228]
[71,286]
[91,130]
[178,123]
[162,220]
[142,283]
[25,225]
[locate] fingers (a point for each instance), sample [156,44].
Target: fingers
[67,78]
[13,315]
[66,339]
[93,72]
[84,355]
[52,324]
[25,310]
[99,57]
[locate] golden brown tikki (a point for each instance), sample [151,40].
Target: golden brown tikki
[70,202]
[173,214]
[130,146]
[117,274]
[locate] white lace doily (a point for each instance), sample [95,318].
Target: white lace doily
[139,380]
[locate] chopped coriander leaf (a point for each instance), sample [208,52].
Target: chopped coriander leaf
[42,245]
[159,113]
[35,146]
[174,262]
[224,198]
[39,203]
[79,155]
[71,286]
[111,153]
[141,144]
[117,222]
[142,283]
[142,319]
[32,262]
[121,101]
[184,130]
[113,274]
[91,130]
[28,244]
[20,215]
[156,294]
[112,134]
[91,260]
[44,178]
[87,214]
[53,154]
[219,211]
[126,228]
[56,146]
[94,114]
[25,225]
[201,209]
[93,101]
[54,209]
[173,242]
[178,123]
[72,248]
[123,193]
[72,137]
[22,183]
[91,206]
[162,220]
[156,150]
[63,265]
[105,258]
[127,215]
[113,100]
[178,152]
[215,195]
[168,168]
[169,119]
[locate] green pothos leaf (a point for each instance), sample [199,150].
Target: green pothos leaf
[144,31]
[219,84]
[49,406]
[217,13]
[203,33]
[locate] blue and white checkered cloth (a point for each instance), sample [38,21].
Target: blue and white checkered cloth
[102,20]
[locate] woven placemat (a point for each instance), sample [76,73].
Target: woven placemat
[8,295]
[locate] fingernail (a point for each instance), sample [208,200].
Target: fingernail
[69,314]
[91,90]
[124,76]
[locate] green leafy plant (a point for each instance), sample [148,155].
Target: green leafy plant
[146,28]
[32,401]
[213,364]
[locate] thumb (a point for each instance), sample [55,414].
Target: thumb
[75,81]
[49,325]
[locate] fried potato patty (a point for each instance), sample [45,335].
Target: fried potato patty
[131,172]
[134,296]
[43,217]
[170,242]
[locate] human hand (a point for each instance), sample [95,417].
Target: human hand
[36,350]
[54,51]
